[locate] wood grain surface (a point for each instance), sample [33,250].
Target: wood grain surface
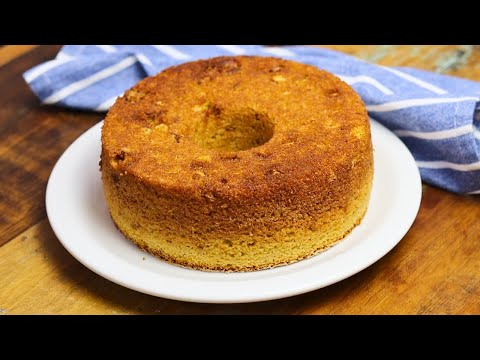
[435,269]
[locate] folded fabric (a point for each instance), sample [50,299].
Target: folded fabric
[436,116]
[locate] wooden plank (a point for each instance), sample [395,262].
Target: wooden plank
[457,60]
[32,138]
[10,52]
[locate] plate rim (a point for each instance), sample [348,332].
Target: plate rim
[296,290]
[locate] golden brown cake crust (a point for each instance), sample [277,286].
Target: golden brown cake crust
[172,154]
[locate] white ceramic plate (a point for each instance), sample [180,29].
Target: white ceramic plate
[80,219]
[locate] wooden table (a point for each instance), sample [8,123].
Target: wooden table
[434,269]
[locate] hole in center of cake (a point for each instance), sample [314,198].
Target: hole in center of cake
[233,131]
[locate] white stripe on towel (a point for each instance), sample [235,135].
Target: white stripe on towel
[403,104]
[448,165]
[62,56]
[172,52]
[82,84]
[416,81]
[436,135]
[367,80]
[476,133]
[41,69]
[144,60]
[234,49]
[278,51]
[107,48]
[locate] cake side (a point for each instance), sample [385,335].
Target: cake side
[221,234]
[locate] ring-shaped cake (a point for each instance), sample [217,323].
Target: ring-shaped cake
[237,163]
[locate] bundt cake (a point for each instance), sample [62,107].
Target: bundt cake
[237,163]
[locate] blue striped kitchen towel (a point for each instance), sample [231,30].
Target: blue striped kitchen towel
[436,116]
